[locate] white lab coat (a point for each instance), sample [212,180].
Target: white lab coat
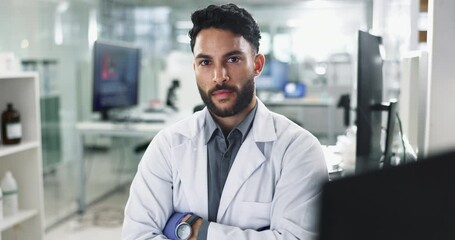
[274,181]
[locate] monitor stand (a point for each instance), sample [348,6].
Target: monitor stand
[391,109]
[104,115]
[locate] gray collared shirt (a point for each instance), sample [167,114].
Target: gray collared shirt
[221,153]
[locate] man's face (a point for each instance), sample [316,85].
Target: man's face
[225,65]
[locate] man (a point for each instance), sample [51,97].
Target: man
[234,170]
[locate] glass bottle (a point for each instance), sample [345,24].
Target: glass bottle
[11,126]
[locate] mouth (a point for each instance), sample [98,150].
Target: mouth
[222,94]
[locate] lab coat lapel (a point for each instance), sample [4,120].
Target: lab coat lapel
[191,158]
[248,159]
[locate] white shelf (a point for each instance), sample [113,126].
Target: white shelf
[22,215]
[6,150]
[17,75]
[24,159]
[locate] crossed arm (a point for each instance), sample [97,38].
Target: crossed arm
[294,207]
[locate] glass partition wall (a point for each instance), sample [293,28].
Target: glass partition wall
[55,39]
[311,40]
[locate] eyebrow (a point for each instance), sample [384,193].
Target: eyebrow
[228,54]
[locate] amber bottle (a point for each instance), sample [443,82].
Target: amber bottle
[11,126]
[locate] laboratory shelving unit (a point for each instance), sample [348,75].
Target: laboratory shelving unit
[24,159]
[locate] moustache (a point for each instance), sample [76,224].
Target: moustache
[223,87]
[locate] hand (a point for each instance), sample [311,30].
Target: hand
[195,227]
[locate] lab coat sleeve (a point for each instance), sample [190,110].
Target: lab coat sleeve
[297,195]
[150,201]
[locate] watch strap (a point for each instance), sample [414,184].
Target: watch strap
[193,218]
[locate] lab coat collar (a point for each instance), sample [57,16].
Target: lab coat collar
[263,125]
[263,120]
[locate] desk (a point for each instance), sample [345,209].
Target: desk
[112,129]
[327,103]
[124,129]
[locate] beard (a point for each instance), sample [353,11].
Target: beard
[244,97]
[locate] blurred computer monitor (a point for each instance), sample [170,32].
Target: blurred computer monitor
[273,77]
[369,94]
[115,76]
[412,201]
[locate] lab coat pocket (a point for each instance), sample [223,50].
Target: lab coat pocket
[254,215]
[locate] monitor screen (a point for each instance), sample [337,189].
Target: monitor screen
[411,201]
[273,77]
[369,93]
[294,90]
[116,76]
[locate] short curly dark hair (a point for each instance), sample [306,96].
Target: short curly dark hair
[227,17]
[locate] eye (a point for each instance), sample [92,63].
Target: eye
[233,59]
[204,62]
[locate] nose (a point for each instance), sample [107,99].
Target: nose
[220,75]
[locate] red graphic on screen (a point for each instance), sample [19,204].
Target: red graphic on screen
[108,68]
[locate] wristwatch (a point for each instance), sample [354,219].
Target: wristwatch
[184,230]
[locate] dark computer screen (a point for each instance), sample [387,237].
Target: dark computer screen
[116,76]
[369,93]
[408,202]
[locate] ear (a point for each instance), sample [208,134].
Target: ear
[259,62]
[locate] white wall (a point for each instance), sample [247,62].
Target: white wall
[179,65]
[409,96]
[441,74]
